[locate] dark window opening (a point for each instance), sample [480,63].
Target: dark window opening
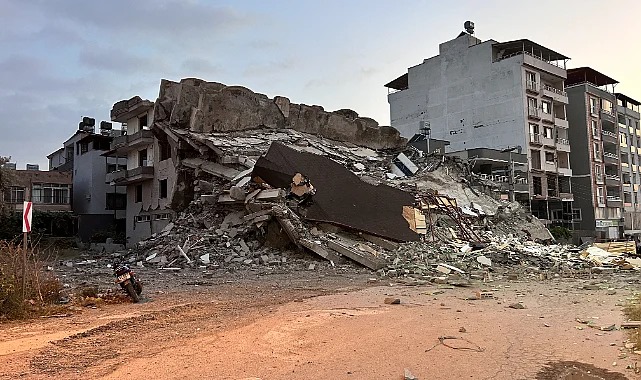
[165,150]
[142,122]
[83,147]
[536,186]
[116,201]
[138,193]
[163,188]
[142,157]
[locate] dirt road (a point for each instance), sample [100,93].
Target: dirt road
[294,326]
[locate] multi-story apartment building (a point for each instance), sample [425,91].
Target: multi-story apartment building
[48,190]
[498,96]
[596,155]
[149,175]
[630,146]
[99,206]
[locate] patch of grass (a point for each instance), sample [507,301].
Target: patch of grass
[25,291]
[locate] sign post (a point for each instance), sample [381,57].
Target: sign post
[27,213]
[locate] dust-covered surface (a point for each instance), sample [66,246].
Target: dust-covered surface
[268,327]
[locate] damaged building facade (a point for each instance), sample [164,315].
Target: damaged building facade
[506,103]
[200,133]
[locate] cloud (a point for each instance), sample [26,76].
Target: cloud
[200,65]
[268,68]
[118,61]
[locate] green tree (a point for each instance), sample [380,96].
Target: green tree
[5,180]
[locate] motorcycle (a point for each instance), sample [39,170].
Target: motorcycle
[127,280]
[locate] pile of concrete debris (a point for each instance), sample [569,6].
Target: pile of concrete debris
[267,181]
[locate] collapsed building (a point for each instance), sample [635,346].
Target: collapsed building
[222,177]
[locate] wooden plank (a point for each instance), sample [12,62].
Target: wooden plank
[631,325]
[362,258]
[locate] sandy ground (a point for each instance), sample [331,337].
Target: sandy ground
[297,326]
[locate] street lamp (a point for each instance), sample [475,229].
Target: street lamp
[511,172]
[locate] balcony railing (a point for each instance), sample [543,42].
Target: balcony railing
[613,198]
[610,155]
[554,90]
[562,141]
[608,133]
[613,177]
[607,112]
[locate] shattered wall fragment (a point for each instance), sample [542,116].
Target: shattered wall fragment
[341,197]
[199,106]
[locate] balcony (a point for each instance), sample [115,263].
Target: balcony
[533,113]
[562,144]
[565,171]
[614,201]
[127,143]
[609,136]
[535,139]
[547,141]
[607,115]
[560,122]
[610,158]
[124,110]
[556,94]
[612,180]
[131,176]
[550,166]
[546,117]
[532,86]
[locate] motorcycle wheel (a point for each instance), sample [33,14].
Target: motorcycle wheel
[132,293]
[138,286]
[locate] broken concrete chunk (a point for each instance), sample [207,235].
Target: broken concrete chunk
[484,261]
[408,375]
[205,258]
[358,166]
[516,306]
[237,193]
[392,301]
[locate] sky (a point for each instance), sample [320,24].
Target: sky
[61,60]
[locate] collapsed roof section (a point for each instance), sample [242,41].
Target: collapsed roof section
[341,197]
[198,106]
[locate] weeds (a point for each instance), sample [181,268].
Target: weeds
[23,296]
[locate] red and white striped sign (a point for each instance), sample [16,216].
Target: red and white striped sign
[26,217]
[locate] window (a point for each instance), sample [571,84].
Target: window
[599,196]
[549,157]
[620,103]
[623,138]
[595,128]
[621,119]
[163,188]
[142,158]
[83,147]
[530,78]
[546,107]
[14,194]
[112,168]
[116,201]
[594,108]
[627,197]
[142,122]
[597,173]
[532,106]
[142,218]
[51,193]
[537,187]
[163,216]
[69,153]
[138,193]
[548,132]
[101,144]
[576,214]
[165,150]
[606,105]
[597,151]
